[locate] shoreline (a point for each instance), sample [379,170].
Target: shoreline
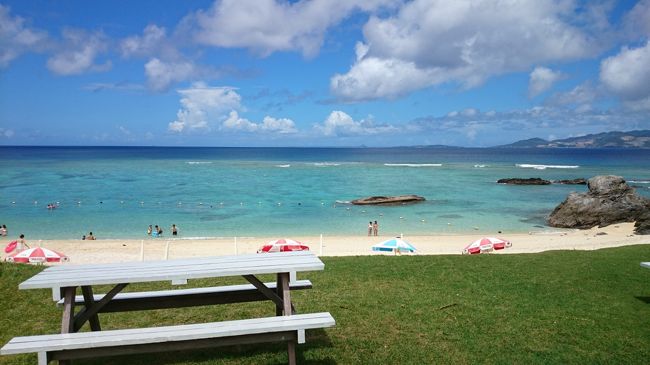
[123,250]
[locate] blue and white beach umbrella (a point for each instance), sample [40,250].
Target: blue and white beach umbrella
[394,244]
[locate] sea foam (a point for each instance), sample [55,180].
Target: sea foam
[544,167]
[413,164]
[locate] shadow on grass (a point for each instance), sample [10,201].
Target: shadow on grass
[646,300]
[266,353]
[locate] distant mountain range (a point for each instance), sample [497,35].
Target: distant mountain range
[632,139]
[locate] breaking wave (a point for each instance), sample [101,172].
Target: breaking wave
[544,167]
[413,164]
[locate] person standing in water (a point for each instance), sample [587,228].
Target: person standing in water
[375,228]
[174,230]
[370,228]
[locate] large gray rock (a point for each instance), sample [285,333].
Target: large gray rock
[524,181]
[642,225]
[388,200]
[609,200]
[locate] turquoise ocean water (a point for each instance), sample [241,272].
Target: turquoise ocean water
[116,192]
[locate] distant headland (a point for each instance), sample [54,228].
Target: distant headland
[632,139]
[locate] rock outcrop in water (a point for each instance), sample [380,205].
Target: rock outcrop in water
[609,200]
[388,200]
[522,181]
[578,181]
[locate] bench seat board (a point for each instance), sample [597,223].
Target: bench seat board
[646,264]
[179,298]
[152,335]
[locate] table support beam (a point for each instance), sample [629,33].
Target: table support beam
[89,312]
[264,289]
[89,302]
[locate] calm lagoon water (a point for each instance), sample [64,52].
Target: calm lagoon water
[116,192]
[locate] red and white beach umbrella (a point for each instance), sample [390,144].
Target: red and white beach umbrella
[283,245]
[485,244]
[37,255]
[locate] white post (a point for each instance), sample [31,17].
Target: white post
[321,244]
[141,250]
[167,250]
[236,248]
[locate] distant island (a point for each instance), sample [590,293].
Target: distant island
[632,139]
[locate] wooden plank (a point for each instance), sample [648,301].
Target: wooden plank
[67,320]
[183,299]
[286,299]
[89,302]
[167,270]
[263,289]
[137,336]
[192,292]
[173,346]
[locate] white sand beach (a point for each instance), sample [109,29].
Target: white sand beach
[104,251]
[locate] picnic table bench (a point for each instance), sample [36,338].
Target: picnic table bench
[645,264]
[70,344]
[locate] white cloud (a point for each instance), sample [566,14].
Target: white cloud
[542,79]
[627,74]
[267,26]
[149,43]
[637,21]
[203,105]
[269,124]
[161,74]
[339,123]
[77,53]
[6,133]
[430,42]
[582,96]
[16,38]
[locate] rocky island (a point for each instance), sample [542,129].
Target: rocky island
[388,200]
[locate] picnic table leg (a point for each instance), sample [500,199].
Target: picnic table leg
[89,301]
[283,278]
[67,322]
[278,307]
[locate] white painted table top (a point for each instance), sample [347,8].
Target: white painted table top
[646,264]
[173,270]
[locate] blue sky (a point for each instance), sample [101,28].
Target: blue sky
[320,73]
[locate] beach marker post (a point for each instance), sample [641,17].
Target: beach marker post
[321,244]
[167,250]
[236,248]
[141,250]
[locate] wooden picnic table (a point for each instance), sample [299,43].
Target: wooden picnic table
[65,279]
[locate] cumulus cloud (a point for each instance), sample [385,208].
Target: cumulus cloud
[202,105]
[542,79]
[430,42]
[16,37]
[269,124]
[205,107]
[627,74]
[267,26]
[339,123]
[77,53]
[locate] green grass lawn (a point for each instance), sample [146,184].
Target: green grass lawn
[561,307]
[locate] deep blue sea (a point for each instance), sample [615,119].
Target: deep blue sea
[116,192]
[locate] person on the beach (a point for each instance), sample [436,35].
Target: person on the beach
[90,236]
[159,230]
[21,243]
[3,230]
[174,230]
[83,238]
[370,228]
[375,228]
[149,230]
